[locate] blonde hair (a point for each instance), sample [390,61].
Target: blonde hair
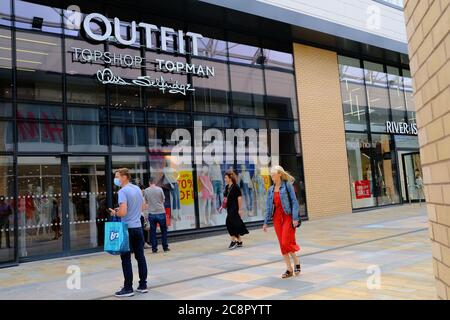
[285,176]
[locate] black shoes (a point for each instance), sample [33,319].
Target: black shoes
[142,289]
[239,244]
[233,245]
[297,269]
[124,293]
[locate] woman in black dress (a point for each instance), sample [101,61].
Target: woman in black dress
[235,226]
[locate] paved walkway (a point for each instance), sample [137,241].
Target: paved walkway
[339,255]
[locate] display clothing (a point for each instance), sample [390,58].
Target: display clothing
[234,223]
[207,187]
[5,212]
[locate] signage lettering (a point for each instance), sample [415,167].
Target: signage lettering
[106,76]
[401,127]
[167,35]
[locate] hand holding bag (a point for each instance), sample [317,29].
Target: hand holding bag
[225,200]
[116,237]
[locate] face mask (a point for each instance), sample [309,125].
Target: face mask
[117,182]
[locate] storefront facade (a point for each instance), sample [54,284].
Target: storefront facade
[92,87]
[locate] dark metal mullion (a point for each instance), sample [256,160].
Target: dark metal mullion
[392,146]
[15,133]
[369,136]
[190,102]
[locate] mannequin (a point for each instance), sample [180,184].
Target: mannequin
[42,219]
[261,192]
[30,207]
[247,188]
[172,180]
[206,196]
[217,181]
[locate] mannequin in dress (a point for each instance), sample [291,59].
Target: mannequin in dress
[261,192]
[247,188]
[206,196]
[30,207]
[41,220]
[171,178]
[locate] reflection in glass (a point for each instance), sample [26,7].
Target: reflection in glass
[5,109]
[26,13]
[35,136]
[385,168]
[409,96]
[7,234]
[160,139]
[396,94]
[5,63]
[88,210]
[360,168]
[176,180]
[38,67]
[6,136]
[377,95]
[39,206]
[99,114]
[33,112]
[211,94]
[87,138]
[281,94]
[353,93]
[128,138]
[5,13]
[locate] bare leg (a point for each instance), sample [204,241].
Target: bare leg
[287,260]
[294,258]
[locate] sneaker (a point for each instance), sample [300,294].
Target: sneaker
[142,289]
[166,250]
[147,246]
[233,245]
[124,293]
[155,251]
[239,244]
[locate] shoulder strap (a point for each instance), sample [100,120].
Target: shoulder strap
[289,195]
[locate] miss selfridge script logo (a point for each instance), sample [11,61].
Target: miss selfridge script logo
[106,76]
[113,235]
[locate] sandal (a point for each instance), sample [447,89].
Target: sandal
[297,269]
[287,274]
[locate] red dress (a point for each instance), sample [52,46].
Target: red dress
[284,229]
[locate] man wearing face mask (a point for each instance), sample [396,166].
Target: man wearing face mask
[130,206]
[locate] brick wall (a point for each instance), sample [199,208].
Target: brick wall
[428,26]
[322,131]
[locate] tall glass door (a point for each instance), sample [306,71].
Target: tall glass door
[39,206]
[413,178]
[87,202]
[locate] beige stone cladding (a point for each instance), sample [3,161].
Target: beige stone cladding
[428,26]
[322,131]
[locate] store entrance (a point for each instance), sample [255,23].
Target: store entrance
[411,177]
[39,206]
[62,205]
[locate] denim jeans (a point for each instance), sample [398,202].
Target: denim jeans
[217,187]
[248,195]
[175,192]
[161,219]
[137,247]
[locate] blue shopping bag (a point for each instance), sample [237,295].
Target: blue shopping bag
[116,237]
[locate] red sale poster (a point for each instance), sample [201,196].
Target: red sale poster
[362,189]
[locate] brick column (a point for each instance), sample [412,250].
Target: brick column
[428,26]
[322,131]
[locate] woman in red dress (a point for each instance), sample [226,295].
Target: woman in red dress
[282,207]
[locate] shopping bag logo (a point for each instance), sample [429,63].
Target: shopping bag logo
[113,235]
